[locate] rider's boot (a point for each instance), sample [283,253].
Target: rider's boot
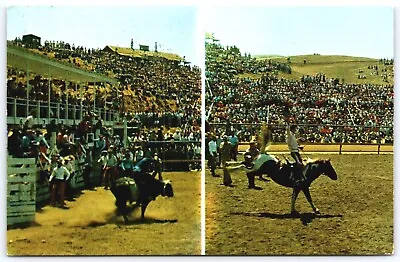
[300,179]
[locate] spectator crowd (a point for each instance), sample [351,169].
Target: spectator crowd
[159,98]
[146,85]
[326,110]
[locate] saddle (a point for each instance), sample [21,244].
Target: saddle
[295,171]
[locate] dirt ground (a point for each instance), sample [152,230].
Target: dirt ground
[356,213]
[90,227]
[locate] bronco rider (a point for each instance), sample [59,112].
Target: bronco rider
[142,174]
[294,152]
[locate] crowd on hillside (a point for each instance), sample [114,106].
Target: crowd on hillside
[328,110]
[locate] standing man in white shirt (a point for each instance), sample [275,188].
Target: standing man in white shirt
[110,168]
[60,175]
[213,150]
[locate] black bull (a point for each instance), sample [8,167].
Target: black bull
[125,189]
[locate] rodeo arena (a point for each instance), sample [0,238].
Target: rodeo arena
[95,135]
[296,167]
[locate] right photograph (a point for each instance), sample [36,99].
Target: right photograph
[299,106]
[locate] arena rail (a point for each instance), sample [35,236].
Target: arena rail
[320,134]
[333,148]
[175,160]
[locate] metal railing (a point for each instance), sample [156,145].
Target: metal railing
[69,114]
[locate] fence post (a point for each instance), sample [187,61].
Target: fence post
[38,112]
[74,112]
[15,110]
[125,142]
[66,114]
[58,110]
[48,101]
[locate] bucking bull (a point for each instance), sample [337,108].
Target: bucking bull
[140,189]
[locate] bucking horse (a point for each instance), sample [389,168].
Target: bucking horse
[140,189]
[282,174]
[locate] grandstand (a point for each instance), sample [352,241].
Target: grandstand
[113,83]
[33,64]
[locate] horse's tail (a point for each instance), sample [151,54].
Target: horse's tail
[264,138]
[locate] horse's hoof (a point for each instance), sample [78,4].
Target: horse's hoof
[255,187]
[294,213]
[316,211]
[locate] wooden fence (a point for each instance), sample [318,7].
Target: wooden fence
[27,187]
[21,190]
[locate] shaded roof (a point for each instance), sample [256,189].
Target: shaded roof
[143,54]
[25,60]
[210,36]
[31,35]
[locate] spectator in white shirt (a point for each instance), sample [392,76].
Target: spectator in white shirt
[110,168]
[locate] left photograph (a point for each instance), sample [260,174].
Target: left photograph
[103,131]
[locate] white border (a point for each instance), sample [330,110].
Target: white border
[201,17]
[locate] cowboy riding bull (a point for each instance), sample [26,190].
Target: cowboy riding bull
[142,188]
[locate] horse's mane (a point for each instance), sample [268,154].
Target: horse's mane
[315,161]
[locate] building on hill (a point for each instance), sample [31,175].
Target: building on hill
[31,41]
[144,48]
[134,53]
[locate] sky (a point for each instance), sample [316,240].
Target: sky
[355,31]
[174,28]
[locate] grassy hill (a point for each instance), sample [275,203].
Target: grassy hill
[334,66]
[144,54]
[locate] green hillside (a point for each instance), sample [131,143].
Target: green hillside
[335,66]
